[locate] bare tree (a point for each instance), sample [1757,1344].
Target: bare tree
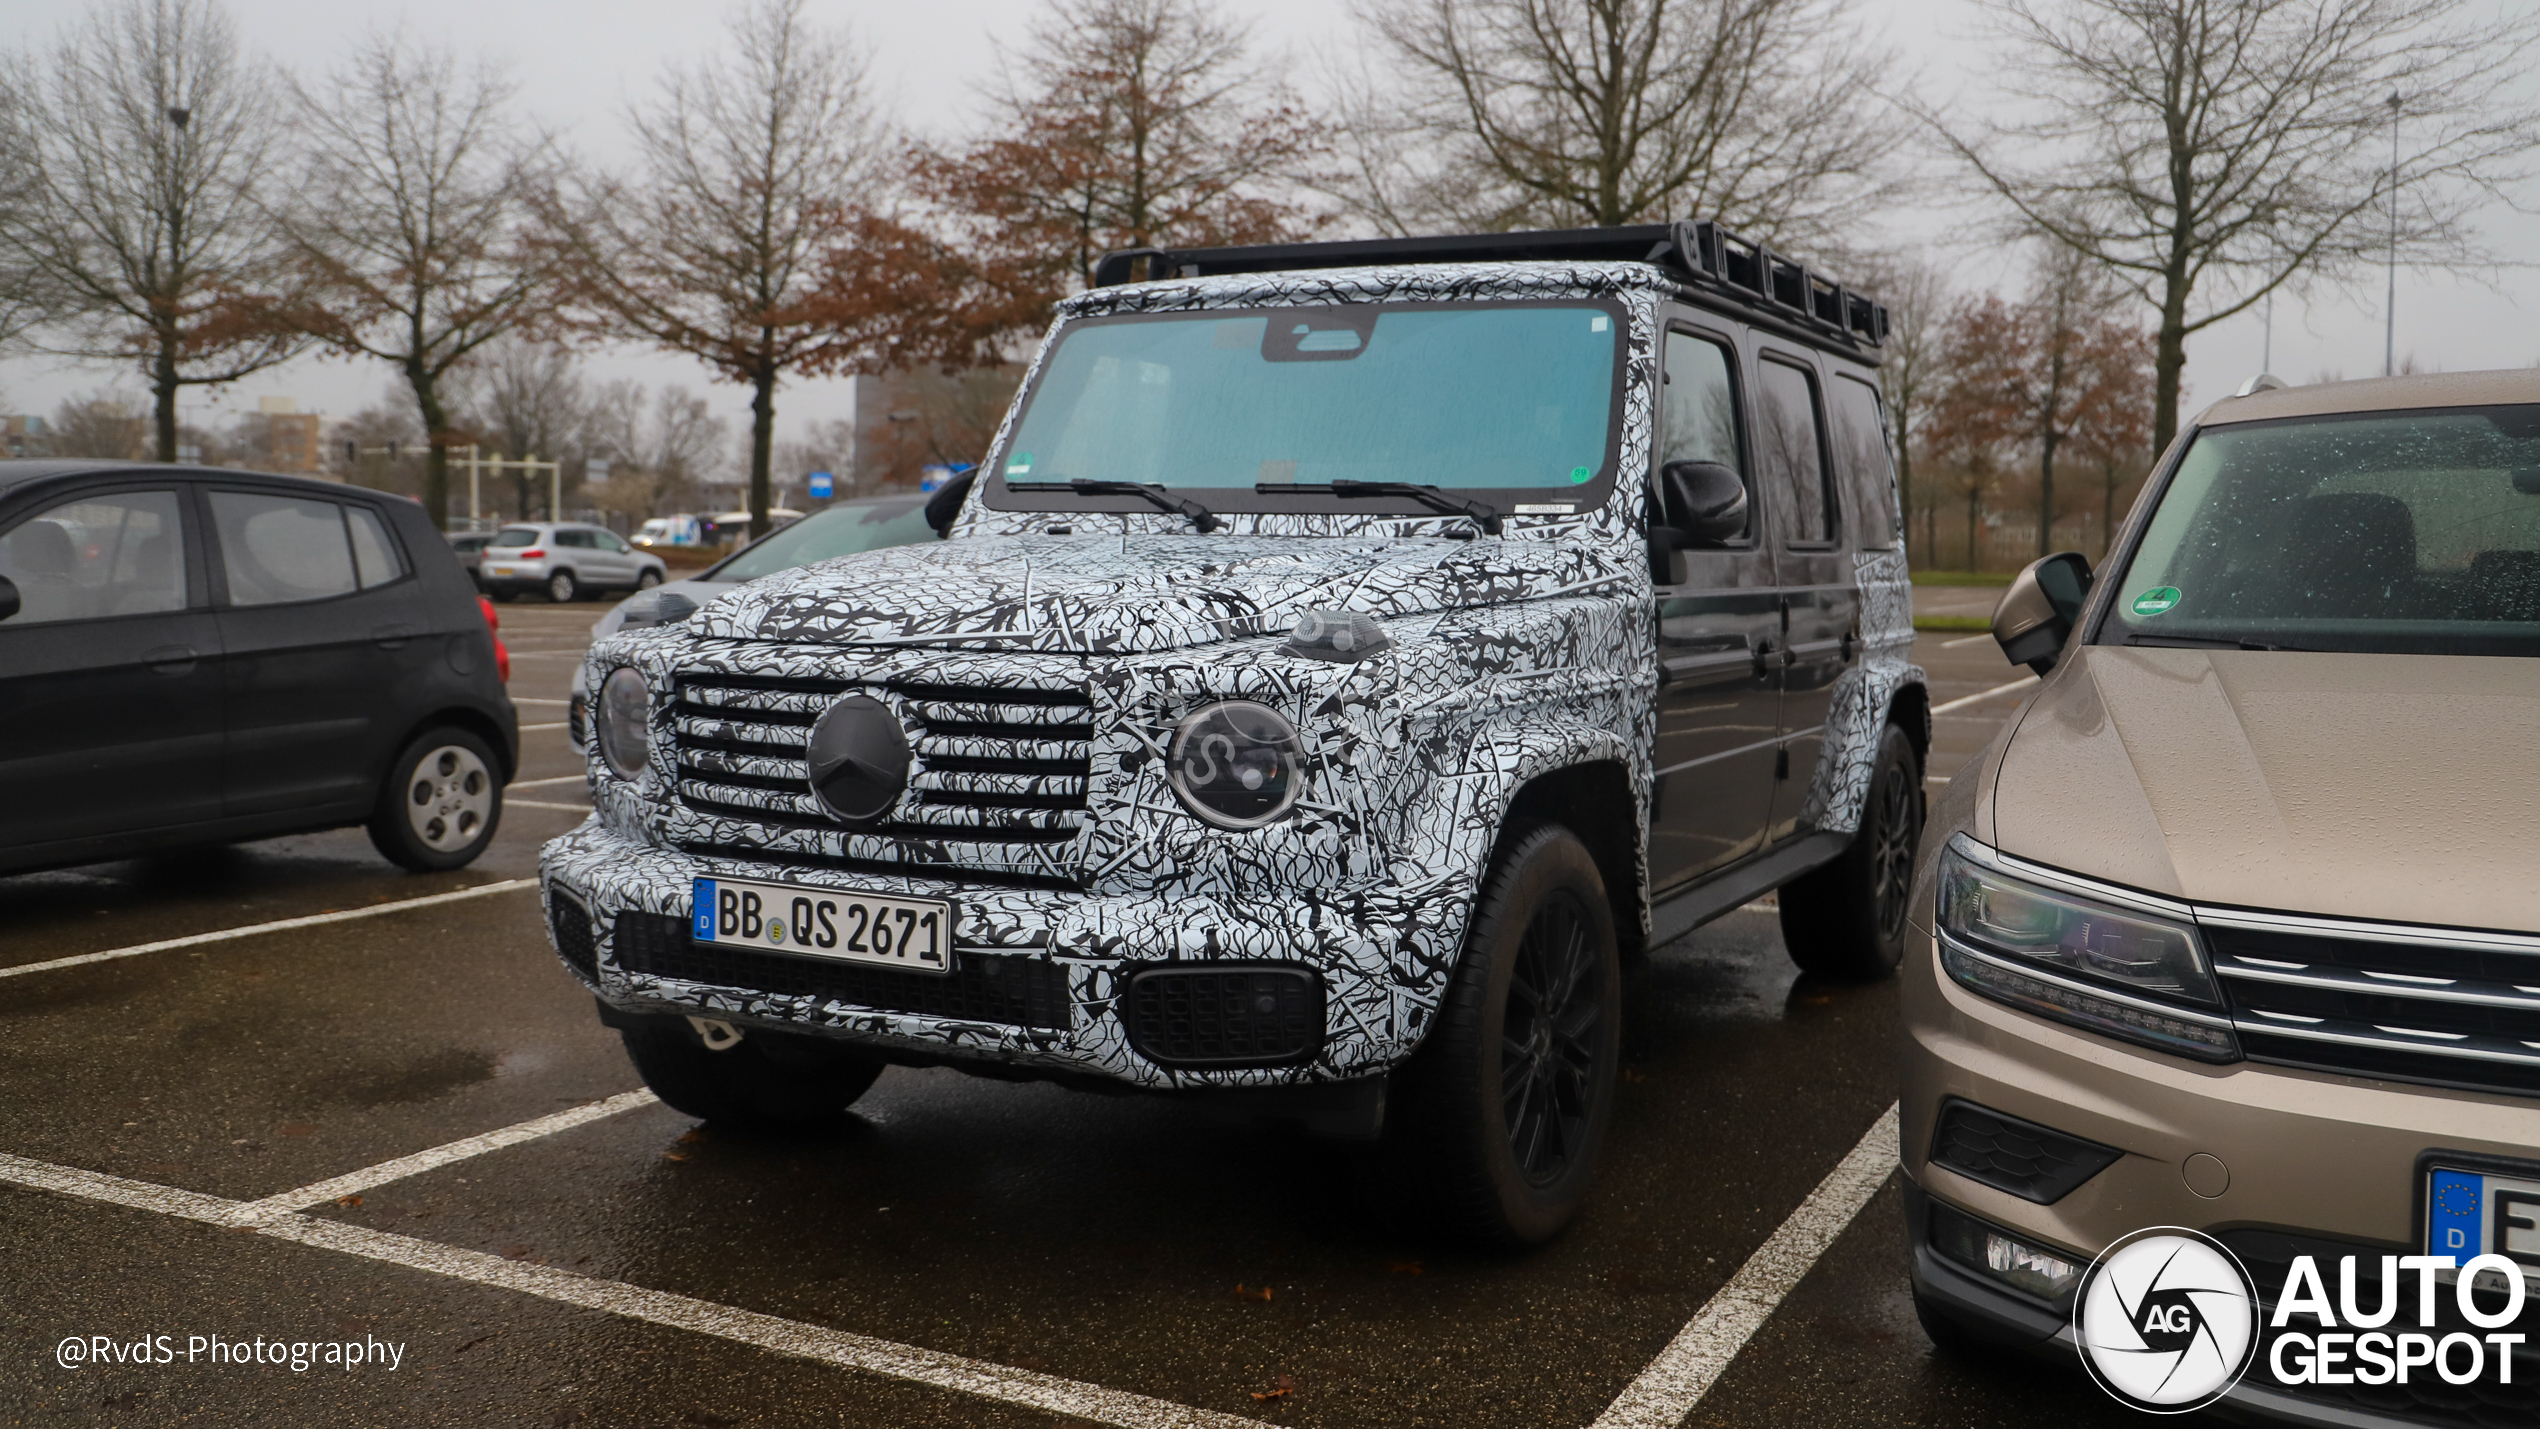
[102,423]
[2208,152]
[413,225]
[742,241]
[660,447]
[1555,112]
[523,398]
[1916,293]
[1123,124]
[143,139]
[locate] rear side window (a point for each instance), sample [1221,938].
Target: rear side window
[279,550]
[121,553]
[1860,453]
[578,540]
[511,536]
[1788,458]
[375,559]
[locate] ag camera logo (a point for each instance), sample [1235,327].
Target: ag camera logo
[2167,1320]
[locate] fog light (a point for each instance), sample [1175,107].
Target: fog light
[2027,1268]
[2015,1264]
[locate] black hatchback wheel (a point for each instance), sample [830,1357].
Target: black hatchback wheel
[1846,921]
[1501,1116]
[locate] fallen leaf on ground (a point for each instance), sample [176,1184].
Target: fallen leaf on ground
[348,1201]
[1248,1293]
[1406,1267]
[518,1252]
[695,1134]
[1280,1388]
[674,1156]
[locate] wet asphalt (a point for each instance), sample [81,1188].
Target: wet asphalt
[1136,1244]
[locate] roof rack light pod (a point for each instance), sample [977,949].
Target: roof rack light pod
[1701,251]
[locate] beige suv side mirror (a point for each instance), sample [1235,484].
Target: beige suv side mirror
[2036,615]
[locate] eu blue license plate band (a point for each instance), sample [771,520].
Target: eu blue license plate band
[2452,1204]
[703,917]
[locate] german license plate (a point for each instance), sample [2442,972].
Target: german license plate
[913,935]
[2471,1213]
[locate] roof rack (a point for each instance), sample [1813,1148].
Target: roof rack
[1701,252]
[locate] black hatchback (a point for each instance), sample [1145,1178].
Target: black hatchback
[193,656]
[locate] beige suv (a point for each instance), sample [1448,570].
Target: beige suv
[2236,926]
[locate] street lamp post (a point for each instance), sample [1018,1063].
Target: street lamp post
[2390,298]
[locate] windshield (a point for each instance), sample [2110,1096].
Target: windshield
[516,536]
[2405,532]
[838,531]
[1518,399]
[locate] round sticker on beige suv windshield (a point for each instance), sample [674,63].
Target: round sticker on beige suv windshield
[2156,601]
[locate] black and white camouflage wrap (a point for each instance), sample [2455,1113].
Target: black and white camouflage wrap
[1512,657]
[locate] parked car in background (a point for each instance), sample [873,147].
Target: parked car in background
[564,559]
[841,530]
[2234,927]
[191,656]
[680,530]
[469,547]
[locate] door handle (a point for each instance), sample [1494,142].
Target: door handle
[171,659]
[390,637]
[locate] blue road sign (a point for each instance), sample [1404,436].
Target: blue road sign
[821,485]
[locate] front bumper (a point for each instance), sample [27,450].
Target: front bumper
[2309,1161]
[1040,978]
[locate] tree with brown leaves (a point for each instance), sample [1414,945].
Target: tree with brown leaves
[749,237]
[413,233]
[142,149]
[1125,124]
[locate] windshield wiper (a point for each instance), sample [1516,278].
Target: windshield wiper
[1202,519]
[1480,513]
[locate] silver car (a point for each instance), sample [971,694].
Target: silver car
[563,559]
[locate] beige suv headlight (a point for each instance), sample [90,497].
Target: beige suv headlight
[2125,972]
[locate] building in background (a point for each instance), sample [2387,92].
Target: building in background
[24,437]
[291,438]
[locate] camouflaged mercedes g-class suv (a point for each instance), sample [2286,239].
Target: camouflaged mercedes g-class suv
[1349,658]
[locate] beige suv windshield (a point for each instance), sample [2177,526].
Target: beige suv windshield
[2406,532]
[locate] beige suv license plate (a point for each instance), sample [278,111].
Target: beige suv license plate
[911,934]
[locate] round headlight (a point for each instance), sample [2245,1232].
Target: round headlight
[626,705]
[1236,764]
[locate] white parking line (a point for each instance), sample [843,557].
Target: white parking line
[1966,640]
[533,700]
[1047,1393]
[534,728]
[542,804]
[538,783]
[284,925]
[2023,682]
[1675,1382]
[460,1150]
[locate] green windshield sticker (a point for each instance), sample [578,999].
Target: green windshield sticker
[2156,601]
[1019,464]
[1581,475]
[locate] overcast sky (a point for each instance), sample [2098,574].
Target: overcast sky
[579,62]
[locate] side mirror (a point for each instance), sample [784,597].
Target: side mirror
[2037,614]
[1705,500]
[945,504]
[8,597]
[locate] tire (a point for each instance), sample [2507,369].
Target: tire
[649,579]
[1498,1155]
[441,804]
[769,1082]
[1846,921]
[561,589]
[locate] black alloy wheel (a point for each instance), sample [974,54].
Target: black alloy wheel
[1498,1121]
[1847,920]
[1549,1040]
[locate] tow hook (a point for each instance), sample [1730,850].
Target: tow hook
[717,1034]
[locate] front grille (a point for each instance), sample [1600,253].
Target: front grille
[989,766]
[1225,1015]
[570,922]
[2032,1162]
[2457,1009]
[1014,992]
[2425,1398]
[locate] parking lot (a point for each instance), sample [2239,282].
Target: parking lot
[394,1117]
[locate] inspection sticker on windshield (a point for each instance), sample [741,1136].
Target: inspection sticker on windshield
[2156,601]
[914,935]
[1020,464]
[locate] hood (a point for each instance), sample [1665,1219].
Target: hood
[1108,594]
[2394,787]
